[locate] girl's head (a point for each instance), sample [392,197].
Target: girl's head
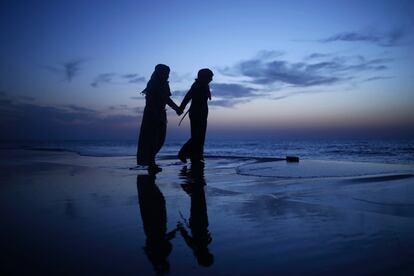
[161,72]
[205,75]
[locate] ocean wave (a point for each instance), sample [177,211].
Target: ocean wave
[382,151]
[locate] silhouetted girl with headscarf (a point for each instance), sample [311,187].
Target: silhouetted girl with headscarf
[154,121]
[198,94]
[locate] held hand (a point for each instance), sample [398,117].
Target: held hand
[179,111]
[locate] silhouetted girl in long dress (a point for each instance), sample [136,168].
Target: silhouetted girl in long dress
[199,94]
[154,121]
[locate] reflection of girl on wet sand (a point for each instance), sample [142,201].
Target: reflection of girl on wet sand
[200,237]
[154,219]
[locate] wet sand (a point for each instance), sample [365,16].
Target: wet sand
[63,213]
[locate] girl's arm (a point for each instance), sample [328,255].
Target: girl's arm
[186,99]
[174,106]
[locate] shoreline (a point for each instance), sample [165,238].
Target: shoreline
[380,151]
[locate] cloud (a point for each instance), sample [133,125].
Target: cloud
[5,100]
[231,90]
[108,78]
[384,39]
[227,102]
[231,94]
[67,70]
[133,78]
[32,121]
[269,72]
[117,107]
[125,108]
[377,78]
[224,94]
[327,70]
[295,93]
[130,76]
[316,56]
[71,69]
[350,64]
[269,54]
[79,109]
[104,78]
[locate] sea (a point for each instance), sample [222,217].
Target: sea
[391,151]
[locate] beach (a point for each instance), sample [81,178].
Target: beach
[63,213]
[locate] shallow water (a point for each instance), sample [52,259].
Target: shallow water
[397,151]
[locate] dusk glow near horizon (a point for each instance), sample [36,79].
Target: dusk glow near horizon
[74,69]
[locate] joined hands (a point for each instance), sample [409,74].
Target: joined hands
[179,111]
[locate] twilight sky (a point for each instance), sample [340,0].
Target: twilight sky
[74,69]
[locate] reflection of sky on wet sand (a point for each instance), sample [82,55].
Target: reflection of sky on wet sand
[87,219]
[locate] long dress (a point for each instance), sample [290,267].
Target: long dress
[199,94]
[154,122]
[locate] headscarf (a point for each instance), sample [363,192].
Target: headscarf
[159,76]
[205,74]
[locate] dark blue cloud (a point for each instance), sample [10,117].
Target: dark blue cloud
[231,90]
[328,69]
[316,56]
[295,93]
[378,78]
[32,121]
[125,108]
[231,94]
[129,76]
[104,78]
[269,72]
[67,70]
[133,78]
[224,94]
[385,39]
[79,109]
[108,78]
[71,69]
